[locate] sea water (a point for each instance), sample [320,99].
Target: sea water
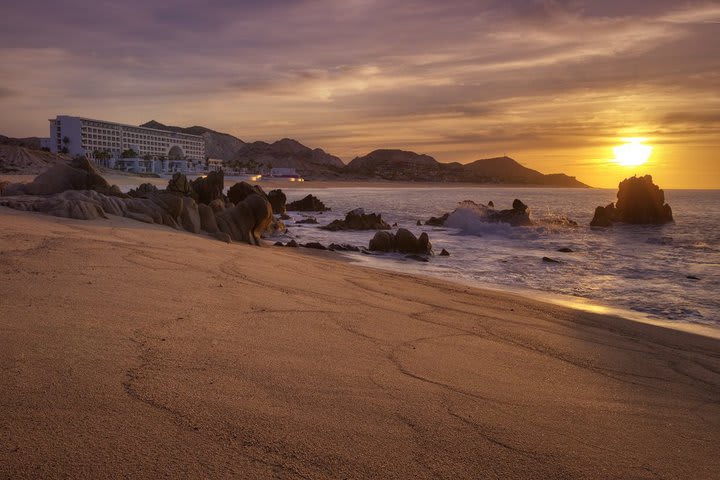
[669,272]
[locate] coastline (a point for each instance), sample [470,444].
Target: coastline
[133,349]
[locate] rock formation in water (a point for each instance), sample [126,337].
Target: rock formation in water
[640,202]
[310,203]
[358,220]
[403,241]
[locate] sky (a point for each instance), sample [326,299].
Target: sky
[554,84]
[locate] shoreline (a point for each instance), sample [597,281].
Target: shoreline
[131,349]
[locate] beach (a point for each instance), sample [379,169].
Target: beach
[133,350]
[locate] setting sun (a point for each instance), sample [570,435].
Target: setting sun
[633,153]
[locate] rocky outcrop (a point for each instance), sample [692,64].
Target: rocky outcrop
[277,200]
[358,220]
[247,220]
[308,204]
[209,188]
[241,190]
[144,190]
[79,174]
[403,241]
[180,185]
[437,221]
[640,202]
[516,216]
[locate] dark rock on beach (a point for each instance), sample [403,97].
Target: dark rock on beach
[444,253]
[404,241]
[277,200]
[315,246]
[565,250]
[550,260]
[308,220]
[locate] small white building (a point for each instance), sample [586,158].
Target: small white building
[284,173]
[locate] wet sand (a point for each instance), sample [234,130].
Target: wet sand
[131,350]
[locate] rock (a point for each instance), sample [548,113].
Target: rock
[345,247]
[190,216]
[292,244]
[517,205]
[140,217]
[308,220]
[170,203]
[308,204]
[444,253]
[383,241]
[550,260]
[209,188]
[73,208]
[491,204]
[692,277]
[278,244]
[223,237]
[404,241]
[604,216]
[517,216]
[241,190]
[144,190]
[418,258]
[358,220]
[315,245]
[437,221]
[419,223]
[565,250]
[179,185]
[207,218]
[218,205]
[285,216]
[277,200]
[79,174]
[639,202]
[247,220]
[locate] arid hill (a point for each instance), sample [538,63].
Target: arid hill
[27,161]
[411,166]
[217,144]
[288,153]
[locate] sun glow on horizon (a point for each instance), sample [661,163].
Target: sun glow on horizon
[632,153]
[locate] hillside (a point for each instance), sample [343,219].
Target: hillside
[217,144]
[411,166]
[27,142]
[507,170]
[27,161]
[288,153]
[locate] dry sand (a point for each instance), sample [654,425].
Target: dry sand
[135,351]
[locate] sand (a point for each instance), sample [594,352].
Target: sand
[135,351]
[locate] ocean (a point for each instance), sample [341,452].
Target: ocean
[669,272]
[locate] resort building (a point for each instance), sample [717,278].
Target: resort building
[116,145]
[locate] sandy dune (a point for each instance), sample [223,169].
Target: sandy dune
[130,350]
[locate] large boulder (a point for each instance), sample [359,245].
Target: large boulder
[358,220]
[437,221]
[247,220]
[179,185]
[403,241]
[79,174]
[639,201]
[207,218]
[144,190]
[310,203]
[517,216]
[241,190]
[209,188]
[189,215]
[277,200]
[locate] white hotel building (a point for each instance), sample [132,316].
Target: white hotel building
[157,150]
